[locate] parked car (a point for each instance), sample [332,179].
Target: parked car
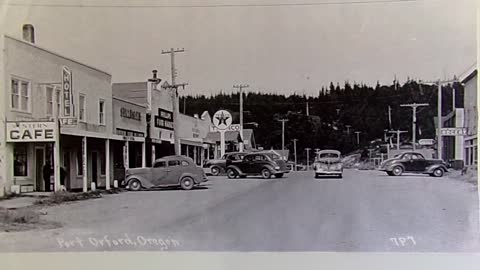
[328,162]
[264,164]
[413,162]
[218,166]
[168,171]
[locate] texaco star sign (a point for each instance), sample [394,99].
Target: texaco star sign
[222,119]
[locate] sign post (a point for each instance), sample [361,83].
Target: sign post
[222,120]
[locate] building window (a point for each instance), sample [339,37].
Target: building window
[79,163]
[58,99]
[20,161]
[81,114]
[49,93]
[101,112]
[20,95]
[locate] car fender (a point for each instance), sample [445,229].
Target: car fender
[192,175]
[235,167]
[433,167]
[394,164]
[270,167]
[146,183]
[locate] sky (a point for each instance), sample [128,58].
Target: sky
[282,46]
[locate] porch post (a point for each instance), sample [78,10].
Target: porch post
[144,155]
[126,162]
[84,163]
[195,149]
[154,155]
[107,164]
[56,158]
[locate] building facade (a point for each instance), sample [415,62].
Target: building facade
[193,131]
[43,93]
[471,118]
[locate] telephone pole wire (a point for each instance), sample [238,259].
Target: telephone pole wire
[414,107]
[240,87]
[174,86]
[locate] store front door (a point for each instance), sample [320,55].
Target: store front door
[39,163]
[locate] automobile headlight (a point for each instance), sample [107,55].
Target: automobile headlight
[277,167]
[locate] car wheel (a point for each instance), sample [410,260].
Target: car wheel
[215,171]
[397,170]
[279,175]
[266,174]
[135,185]
[231,174]
[438,172]
[187,183]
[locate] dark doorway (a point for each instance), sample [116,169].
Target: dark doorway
[39,162]
[94,168]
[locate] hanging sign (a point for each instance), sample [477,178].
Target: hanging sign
[67,91]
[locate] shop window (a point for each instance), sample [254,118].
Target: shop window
[79,163]
[81,114]
[101,112]
[49,94]
[20,91]
[20,160]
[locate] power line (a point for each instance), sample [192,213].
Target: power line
[56,5]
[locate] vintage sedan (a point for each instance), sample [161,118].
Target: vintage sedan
[413,162]
[218,166]
[264,164]
[329,163]
[170,171]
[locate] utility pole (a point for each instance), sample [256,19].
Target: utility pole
[358,136]
[308,155]
[307,110]
[283,136]
[389,116]
[175,104]
[439,84]
[348,129]
[295,152]
[398,132]
[240,87]
[385,131]
[414,107]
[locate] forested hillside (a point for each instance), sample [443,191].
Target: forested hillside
[363,108]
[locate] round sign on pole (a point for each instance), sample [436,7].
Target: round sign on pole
[222,119]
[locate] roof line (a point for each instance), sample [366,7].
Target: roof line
[128,101]
[56,54]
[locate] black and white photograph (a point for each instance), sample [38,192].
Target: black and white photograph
[239,126]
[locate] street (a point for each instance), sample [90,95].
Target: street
[364,211]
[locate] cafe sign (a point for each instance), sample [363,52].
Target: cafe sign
[31,131]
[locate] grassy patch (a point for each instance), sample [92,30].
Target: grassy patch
[23,219]
[65,196]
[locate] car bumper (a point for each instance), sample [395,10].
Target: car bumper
[328,172]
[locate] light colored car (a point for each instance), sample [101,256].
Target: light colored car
[328,162]
[168,171]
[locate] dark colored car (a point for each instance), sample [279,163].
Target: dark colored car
[413,162]
[166,172]
[218,166]
[264,164]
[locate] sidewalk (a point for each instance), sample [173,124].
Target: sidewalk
[23,200]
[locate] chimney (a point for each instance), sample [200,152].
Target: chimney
[28,33]
[154,74]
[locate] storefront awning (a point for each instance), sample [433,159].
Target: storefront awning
[192,141]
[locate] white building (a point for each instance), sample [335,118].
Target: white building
[471,118]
